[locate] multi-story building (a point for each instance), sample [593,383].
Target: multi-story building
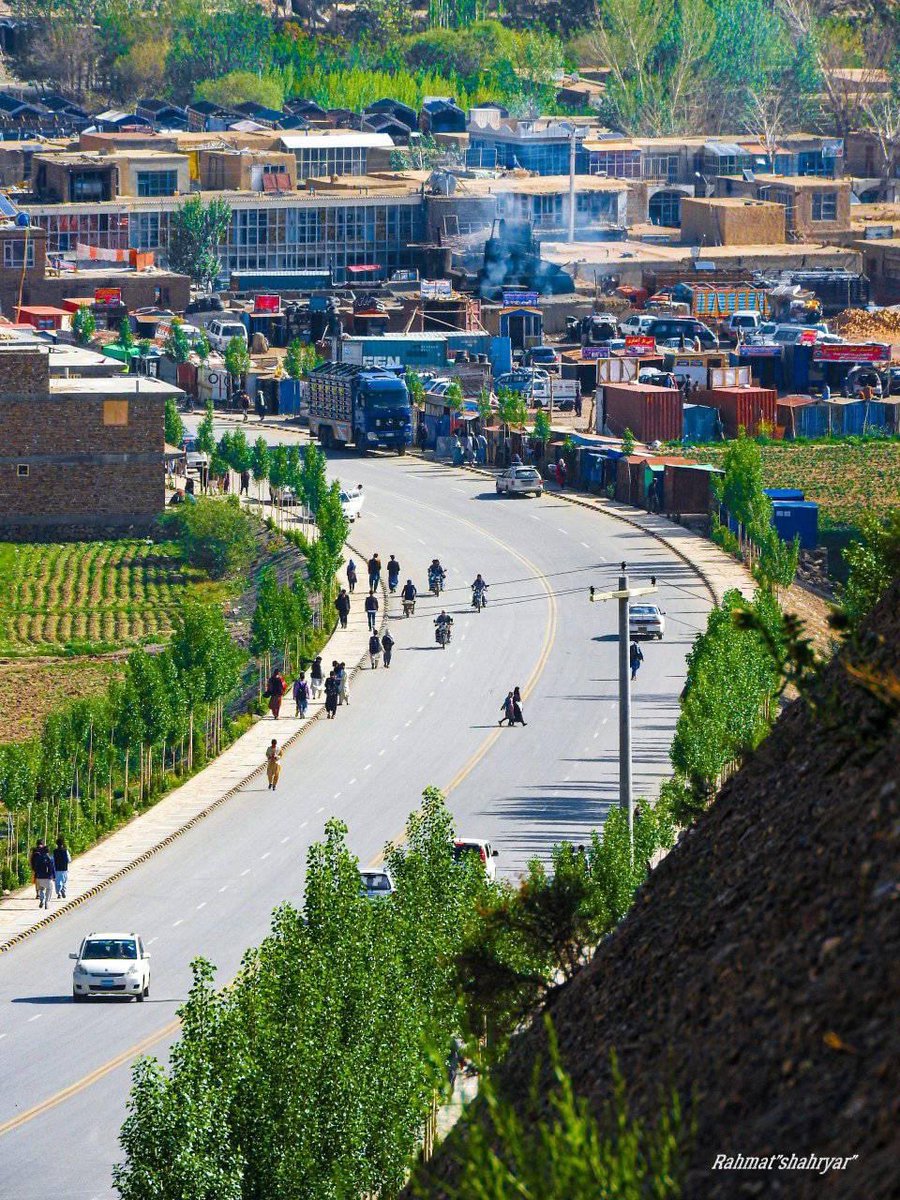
[541,145]
[813,206]
[79,457]
[338,152]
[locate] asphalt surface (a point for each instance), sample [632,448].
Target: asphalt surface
[431,719]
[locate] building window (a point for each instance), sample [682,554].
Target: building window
[17,252]
[23,470]
[157,183]
[616,164]
[779,196]
[89,185]
[115,412]
[661,166]
[824,206]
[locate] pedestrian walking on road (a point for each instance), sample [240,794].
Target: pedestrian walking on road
[518,718]
[275,689]
[339,671]
[344,684]
[635,658]
[342,604]
[44,872]
[244,401]
[33,860]
[332,689]
[315,678]
[387,645]
[561,474]
[61,862]
[374,650]
[273,764]
[351,575]
[509,712]
[374,566]
[371,607]
[245,484]
[393,573]
[260,406]
[300,693]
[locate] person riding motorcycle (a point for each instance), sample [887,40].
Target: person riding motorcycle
[443,627]
[436,574]
[479,589]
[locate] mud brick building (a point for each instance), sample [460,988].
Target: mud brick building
[79,458]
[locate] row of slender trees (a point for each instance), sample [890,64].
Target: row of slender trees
[317,1070]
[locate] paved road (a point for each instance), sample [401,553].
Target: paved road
[431,719]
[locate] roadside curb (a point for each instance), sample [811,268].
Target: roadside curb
[121,872]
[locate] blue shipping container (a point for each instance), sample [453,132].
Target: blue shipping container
[783,493]
[811,420]
[846,416]
[797,518]
[699,423]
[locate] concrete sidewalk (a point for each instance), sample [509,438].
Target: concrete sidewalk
[177,812]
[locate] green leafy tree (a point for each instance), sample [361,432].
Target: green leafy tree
[259,462]
[196,231]
[237,359]
[216,536]
[416,389]
[485,411]
[202,348]
[542,426]
[174,424]
[453,397]
[126,334]
[314,481]
[511,408]
[177,344]
[84,325]
[238,87]
[628,442]
[874,562]
[206,435]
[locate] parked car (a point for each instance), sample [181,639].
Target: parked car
[486,854]
[111,964]
[646,621]
[376,884]
[744,321]
[663,328]
[219,333]
[637,324]
[542,356]
[522,481]
[352,502]
[204,304]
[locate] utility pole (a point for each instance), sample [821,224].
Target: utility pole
[572,133]
[624,594]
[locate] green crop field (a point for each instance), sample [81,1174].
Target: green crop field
[847,479]
[91,597]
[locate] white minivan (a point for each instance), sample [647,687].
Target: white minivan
[220,332]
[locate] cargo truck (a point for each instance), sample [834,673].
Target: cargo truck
[366,406]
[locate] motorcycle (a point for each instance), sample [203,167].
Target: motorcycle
[409,607]
[478,599]
[442,635]
[435,583]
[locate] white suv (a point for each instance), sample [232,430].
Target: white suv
[521,480]
[636,325]
[111,964]
[465,846]
[220,332]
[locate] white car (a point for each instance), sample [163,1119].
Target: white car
[376,884]
[465,846]
[196,459]
[220,332]
[111,964]
[520,481]
[646,621]
[637,324]
[352,501]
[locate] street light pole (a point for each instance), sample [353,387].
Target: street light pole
[625,594]
[572,133]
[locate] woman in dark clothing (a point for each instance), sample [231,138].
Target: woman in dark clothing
[332,691]
[509,712]
[518,719]
[275,689]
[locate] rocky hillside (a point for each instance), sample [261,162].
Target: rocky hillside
[758,970]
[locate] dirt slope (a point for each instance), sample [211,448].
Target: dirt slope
[758,970]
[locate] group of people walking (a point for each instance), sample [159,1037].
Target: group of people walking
[51,871]
[512,709]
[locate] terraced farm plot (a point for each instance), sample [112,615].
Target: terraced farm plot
[31,688]
[91,597]
[846,479]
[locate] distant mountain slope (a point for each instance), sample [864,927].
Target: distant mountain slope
[758,970]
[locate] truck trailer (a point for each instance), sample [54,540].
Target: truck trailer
[366,406]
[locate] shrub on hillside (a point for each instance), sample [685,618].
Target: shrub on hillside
[216,535]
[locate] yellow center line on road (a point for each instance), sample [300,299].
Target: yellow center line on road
[152,1039]
[73,1089]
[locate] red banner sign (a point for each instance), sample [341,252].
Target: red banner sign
[872,352]
[267,304]
[808,337]
[108,296]
[640,345]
